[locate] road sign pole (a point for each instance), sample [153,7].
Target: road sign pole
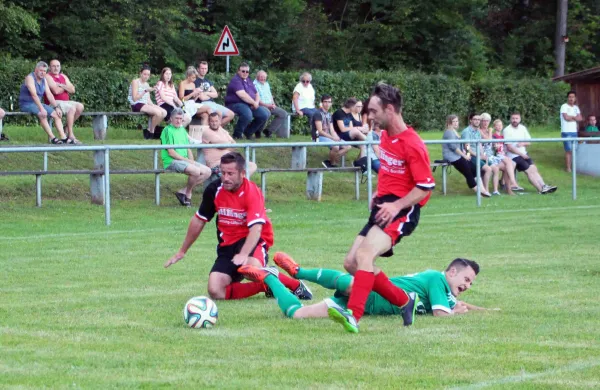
[227,66]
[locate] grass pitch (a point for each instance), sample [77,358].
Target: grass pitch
[88,306]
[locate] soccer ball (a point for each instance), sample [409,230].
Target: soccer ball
[200,312]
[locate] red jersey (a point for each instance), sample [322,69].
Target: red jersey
[404,165]
[60,79]
[236,212]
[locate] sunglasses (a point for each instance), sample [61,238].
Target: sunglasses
[245,71]
[306,81]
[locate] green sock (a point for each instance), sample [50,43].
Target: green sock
[328,278]
[288,302]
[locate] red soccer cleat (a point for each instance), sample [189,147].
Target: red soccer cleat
[285,261]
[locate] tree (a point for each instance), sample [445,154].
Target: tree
[19,30]
[560,38]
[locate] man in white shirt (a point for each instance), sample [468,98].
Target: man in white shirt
[518,153]
[569,116]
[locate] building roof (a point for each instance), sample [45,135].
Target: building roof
[592,74]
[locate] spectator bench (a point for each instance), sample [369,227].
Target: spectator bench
[99,120]
[444,165]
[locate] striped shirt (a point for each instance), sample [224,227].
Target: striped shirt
[164,94]
[264,91]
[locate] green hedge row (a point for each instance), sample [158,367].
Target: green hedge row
[428,98]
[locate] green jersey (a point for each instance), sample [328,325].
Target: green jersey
[432,287]
[591,128]
[172,135]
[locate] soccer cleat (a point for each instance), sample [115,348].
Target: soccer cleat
[256,274]
[342,316]
[546,189]
[285,262]
[303,292]
[409,310]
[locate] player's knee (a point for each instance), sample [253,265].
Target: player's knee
[350,265]
[216,292]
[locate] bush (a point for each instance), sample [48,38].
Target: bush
[428,98]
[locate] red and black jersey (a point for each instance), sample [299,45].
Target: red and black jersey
[236,212]
[404,165]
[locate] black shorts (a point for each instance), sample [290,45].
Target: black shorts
[403,224]
[169,109]
[345,135]
[522,164]
[224,265]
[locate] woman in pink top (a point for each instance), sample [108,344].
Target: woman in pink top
[166,96]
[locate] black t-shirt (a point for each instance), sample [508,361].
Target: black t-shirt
[204,84]
[340,115]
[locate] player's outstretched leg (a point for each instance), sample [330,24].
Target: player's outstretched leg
[342,316]
[289,265]
[409,310]
[328,278]
[288,302]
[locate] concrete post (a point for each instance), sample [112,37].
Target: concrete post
[298,157]
[314,185]
[99,125]
[97,180]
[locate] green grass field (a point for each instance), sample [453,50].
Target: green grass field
[83,305]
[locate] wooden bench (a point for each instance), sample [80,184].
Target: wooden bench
[99,120]
[314,179]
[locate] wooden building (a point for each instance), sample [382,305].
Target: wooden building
[586,85]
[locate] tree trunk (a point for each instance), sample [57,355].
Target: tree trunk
[559,39]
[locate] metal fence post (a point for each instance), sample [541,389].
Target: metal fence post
[478,169]
[107,186]
[156,179]
[247,150]
[574,168]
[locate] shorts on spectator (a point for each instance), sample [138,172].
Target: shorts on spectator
[567,145]
[345,135]
[403,224]
[494,160]
[482,163]
[66,105]
[522,164]
[326,140]
[214,107]
[179,166]
[34,109]
[137,107]
[225,254]
[169,109]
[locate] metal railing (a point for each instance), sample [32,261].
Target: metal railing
[250,154]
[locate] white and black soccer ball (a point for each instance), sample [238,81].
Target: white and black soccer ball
[200,312]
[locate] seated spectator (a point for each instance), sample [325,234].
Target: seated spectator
[500,150]
[458,157]
[364,114]
[279,123]
[303,97]
[30,100]
[215,134]
[181,160]
[188,95]
[374,135]
[471,133]
[3,136]
[139,98]
[591,124]
[166,97]
[357,119]
[497,163]
[342,123]
[518,153]
[60,87]
[243,99]
[206,94]
[323,132]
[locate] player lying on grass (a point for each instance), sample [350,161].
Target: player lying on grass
[244,232]
[434,291]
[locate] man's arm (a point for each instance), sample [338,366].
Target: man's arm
[250,243]
[387,211]
[193,232]
[67,86]
[473,307]
[177,156]
[513,149]
[245,97]
[29,83]
[53,86]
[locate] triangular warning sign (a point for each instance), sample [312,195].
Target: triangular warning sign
[226,45]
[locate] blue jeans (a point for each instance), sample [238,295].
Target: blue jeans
[375,164]
[567,145]
[249,121]
[309,112]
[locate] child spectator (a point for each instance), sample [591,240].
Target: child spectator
[591,126]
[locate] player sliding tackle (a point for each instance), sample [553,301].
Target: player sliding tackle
[244,232]
[438,291]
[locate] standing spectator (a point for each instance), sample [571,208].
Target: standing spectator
[207,92]
[342,123]
[497,163]
[181,160]
[278,123]
[61,87]
[471,133]
[303,98]
[243,99]
[3,136]
[30,100]
[139,98]
[569,116]
[518,153]
[456,156]
[215,134]
[166,97]
[323,132]
[188,95]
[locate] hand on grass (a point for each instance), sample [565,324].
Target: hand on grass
[178,256]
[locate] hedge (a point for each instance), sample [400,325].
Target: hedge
[428,98]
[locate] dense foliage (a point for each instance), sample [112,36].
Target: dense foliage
[429,98]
